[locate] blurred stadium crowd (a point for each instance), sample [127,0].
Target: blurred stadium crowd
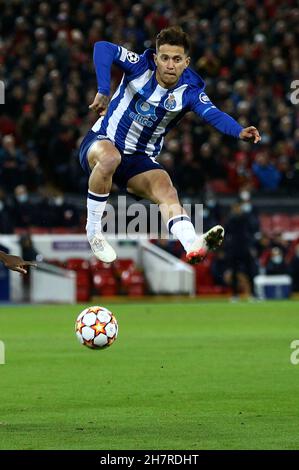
[246,51]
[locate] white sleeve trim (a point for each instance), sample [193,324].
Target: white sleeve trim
[206,110]
[123,54]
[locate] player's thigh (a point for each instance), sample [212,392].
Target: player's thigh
[103,152]
[154,185]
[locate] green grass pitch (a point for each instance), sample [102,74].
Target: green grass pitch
[194,375]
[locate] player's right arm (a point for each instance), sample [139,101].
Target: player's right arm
[100,104]
[104,55]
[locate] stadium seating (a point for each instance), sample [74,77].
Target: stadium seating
[97,278]
[281,223]
[97,266]
[132,283]
[104,283]
[77,264]
[274,223]
[82,269]
[295,223]
[121,265]
[266,224]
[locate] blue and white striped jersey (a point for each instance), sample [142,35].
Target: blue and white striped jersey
[141,112]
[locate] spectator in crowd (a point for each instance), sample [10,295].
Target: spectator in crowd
[276,263]
[278,241]
[62,213]
[239,171]
[6,222]
[294,269]
[25,213]
[12,163]
[60,151]
[211,211]
[267,174]
[239,249]
[33,176]
[219,269]
[29,251]
[262,246]
[250,210]
[223,273]
[189,175]
[167,160]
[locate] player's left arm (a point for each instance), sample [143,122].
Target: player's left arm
[250,134]
[203,107]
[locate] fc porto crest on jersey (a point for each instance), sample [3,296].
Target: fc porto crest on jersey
[170,102]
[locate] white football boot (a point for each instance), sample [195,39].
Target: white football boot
[102,249]
[209,241]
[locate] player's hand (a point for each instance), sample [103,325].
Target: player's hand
[250,134]
[100,104]
[16,263]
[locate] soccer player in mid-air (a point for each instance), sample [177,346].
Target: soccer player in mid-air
[156,90]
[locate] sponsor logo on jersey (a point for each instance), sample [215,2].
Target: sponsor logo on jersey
[133,57]
[203,98]
[145,113]
[170,103]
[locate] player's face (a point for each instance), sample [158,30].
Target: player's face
[171,62]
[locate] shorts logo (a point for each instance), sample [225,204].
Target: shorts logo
[203,98]
[170,103]
[133,57]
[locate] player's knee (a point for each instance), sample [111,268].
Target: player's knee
[108,164]
[104,160]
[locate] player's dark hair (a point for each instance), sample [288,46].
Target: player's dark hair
[174,36]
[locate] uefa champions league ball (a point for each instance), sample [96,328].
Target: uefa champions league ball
[96,327]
